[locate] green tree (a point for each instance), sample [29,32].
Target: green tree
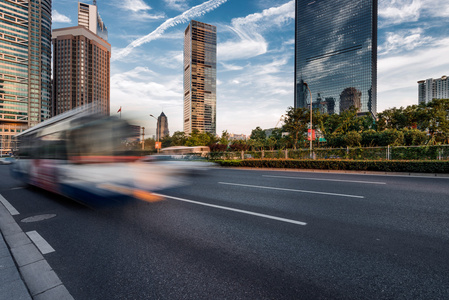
[296,124]
[197,138]
[352,139]
[179,138]
[391,137]
[258,134]
[414,137]
[225,138]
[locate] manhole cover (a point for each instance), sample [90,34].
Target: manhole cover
[38,218]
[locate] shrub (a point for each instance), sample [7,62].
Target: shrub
[354,165]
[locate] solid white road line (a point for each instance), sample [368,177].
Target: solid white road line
[322,179]
[8,206]
[40,243]
[291,190]
[236,210]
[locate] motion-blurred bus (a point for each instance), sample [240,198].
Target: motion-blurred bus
[82,156]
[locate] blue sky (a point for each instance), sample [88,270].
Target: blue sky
[255,55]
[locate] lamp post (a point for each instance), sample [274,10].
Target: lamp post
[311,130]
[157,135]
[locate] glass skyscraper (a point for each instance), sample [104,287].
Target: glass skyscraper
[162,127]
[336,55]
[200,77]
[25,66]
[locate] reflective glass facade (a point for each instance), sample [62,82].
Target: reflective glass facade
[200,77]
[336,55]
[25,66]
[162,127]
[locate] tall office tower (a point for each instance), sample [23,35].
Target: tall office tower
[25,66]
[162,127]
[200,77]
[336,54]
[89,17]
[81,70]
[430,89]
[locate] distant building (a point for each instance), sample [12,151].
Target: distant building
[81,70]
[200,77]
[237,137]
[25,67]
[89,17]
[430,89]
[336,50]
[350,97]
[162,127]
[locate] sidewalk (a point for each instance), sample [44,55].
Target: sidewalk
[11,284]
[24,272]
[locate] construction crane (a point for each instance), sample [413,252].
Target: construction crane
[282,118]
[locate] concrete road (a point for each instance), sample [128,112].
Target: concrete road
[252,234]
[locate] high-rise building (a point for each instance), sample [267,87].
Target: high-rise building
[200,77]
[162,127]
[430,89]
[81,70]
[336,54]
[89,17]
[25,66]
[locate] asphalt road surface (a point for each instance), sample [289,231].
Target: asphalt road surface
[252,234]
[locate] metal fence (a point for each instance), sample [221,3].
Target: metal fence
[361,153]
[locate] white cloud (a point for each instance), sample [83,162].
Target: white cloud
[139,10]
[134,5]
[59,18]
[230,67]
[400,11]
[393,12]
[404,40]
[186,16]
[403,71]
[141,91]
[250,42]
[177,4]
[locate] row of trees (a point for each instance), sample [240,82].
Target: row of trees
[424,124]
[414,125]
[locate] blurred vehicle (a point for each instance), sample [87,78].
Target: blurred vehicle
[192,164]
[184,150]
[81,155]
[6,160]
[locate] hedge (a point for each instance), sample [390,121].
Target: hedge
[350,165]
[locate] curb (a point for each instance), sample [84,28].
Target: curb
[38,279]
[404,174]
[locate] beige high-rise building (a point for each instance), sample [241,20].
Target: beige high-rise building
[89,17]
[200,77]
[81,70]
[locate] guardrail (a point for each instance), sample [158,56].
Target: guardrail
[360,153]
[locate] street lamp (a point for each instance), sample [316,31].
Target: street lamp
[157,135]
[311,130]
